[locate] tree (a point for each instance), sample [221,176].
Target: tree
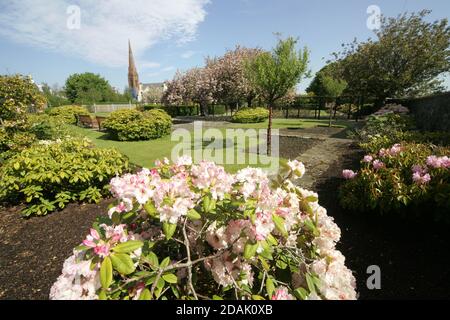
[18,95]
[229,71]
[408,56]
[328,87]
[88,88]
[275,73]
[54,95]
[175,93]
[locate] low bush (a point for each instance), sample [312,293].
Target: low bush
[51,174]
[68,113]
[46,127]
[129,125]
[251,115]
[402,176]
[187,231]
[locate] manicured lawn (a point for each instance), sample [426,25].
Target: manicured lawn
[295,123]
[144,153]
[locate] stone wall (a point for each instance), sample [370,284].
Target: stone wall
[432,113]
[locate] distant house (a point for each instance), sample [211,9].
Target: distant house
[152,92]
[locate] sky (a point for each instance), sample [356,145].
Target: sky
[52,39]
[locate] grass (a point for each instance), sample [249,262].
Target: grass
[145,153]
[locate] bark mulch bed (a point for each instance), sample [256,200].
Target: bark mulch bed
[32,251]
[413,254]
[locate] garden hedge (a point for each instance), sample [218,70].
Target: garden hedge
[132,125]
[251,115]
[68,113]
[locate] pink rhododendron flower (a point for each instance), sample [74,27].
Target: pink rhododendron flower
[282,293]
[297,167]
[348,174]
[377,164]
[367,158]
[438,162]
[421,179]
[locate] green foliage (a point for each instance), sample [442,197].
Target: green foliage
[18,94]
[130,125]
[383,131]
[275,73]
[49,175]
[392,188]
[88,88]
[327,84]
[406,59]
[46,127]
[68,113]
[251,115]
[55,96]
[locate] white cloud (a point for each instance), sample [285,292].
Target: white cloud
[106,25]
[167,69]
[187,54]
[148,65]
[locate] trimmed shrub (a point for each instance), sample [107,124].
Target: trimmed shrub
[46,127]
[51,174]
[129,125]
[251,115]
[68,113]
[400,177]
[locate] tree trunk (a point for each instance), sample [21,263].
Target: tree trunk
[269,130]
[249,101]
[331,113]
[204,109]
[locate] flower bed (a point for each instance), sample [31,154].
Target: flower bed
[186,231]
[397,177]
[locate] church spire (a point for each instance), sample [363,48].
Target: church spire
[133,77]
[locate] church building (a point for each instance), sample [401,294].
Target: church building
[142,92]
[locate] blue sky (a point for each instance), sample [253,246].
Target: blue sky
[174,34]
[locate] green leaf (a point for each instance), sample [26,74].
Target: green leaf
[145,295]
[272,240]
[128,246]
[153,259]
[102,295]
[122,263]
[279,224]
[257,297]
[165,263]
[310,283]
[170,278]
[270,287]
[193,215]
[16,165]
[301,293]
[215,297]
[250,250]
[150,208]
[169,229]
[106,273]
[311,199]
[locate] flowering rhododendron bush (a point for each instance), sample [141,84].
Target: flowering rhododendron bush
[187,231]
[400,176]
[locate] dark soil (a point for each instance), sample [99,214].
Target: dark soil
[413,255]
[32,251]
[290,147]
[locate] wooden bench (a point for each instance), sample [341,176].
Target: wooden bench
[87,121]
[100,121]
